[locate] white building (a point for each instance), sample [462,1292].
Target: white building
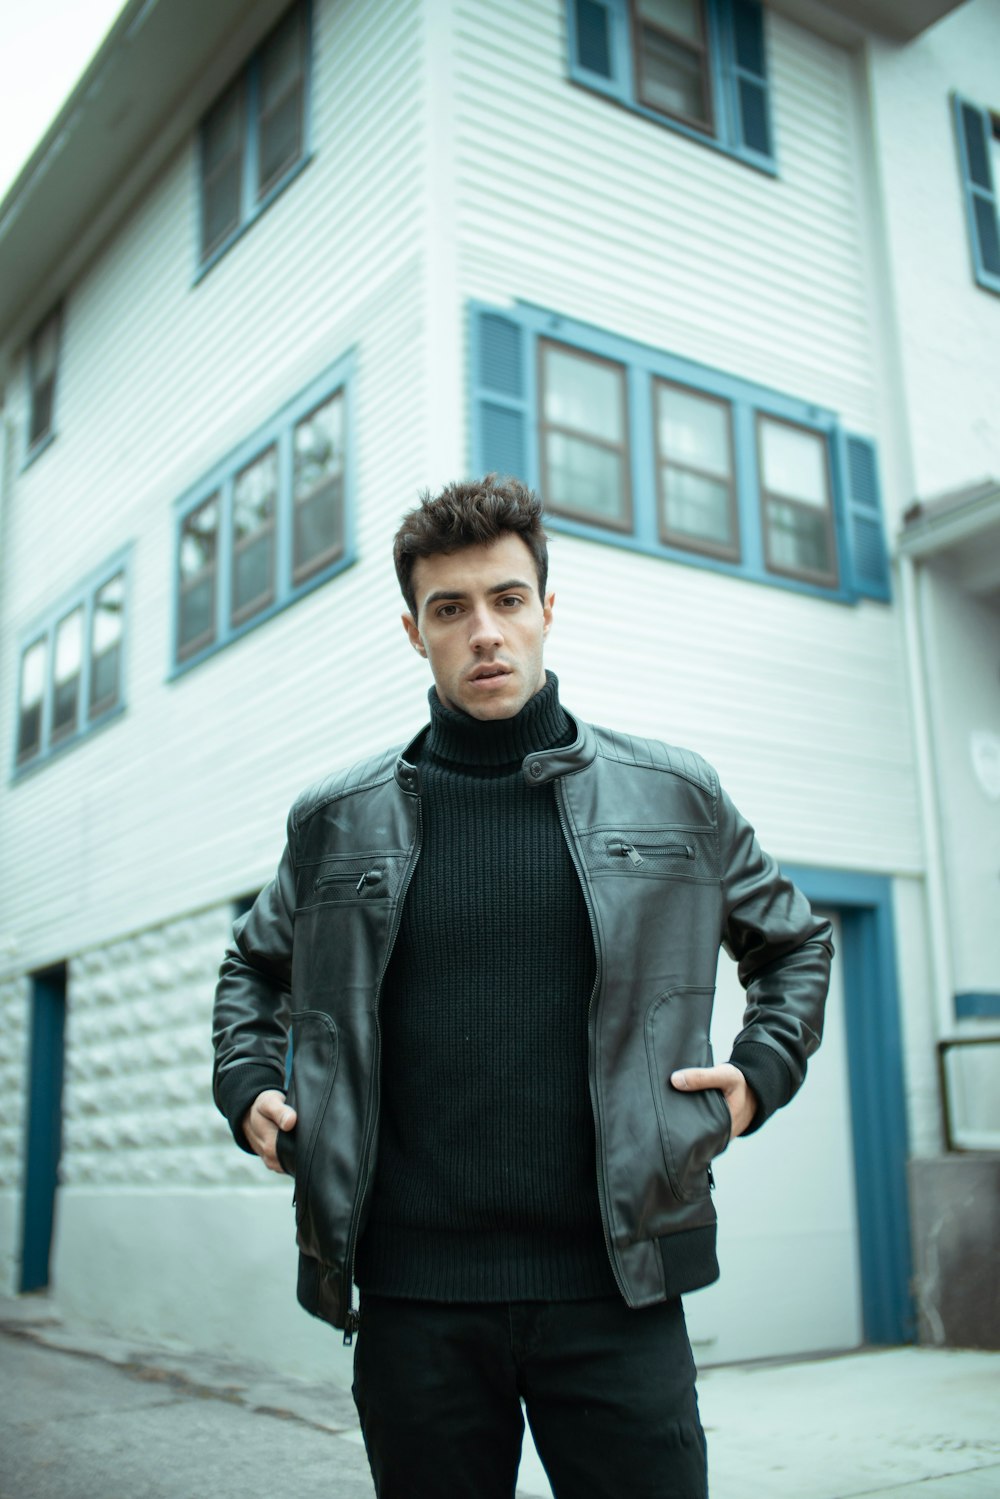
[703,274]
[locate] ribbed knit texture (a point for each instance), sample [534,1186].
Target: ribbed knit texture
[485,1186]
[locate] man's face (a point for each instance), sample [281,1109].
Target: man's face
[481,624]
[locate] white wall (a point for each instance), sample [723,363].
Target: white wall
[625,224]
[183,800]
[962,652]
[949,326]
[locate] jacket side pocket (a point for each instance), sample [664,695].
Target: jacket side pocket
[694,1127]
[315,1055]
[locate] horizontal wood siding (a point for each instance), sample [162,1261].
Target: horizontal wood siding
[181,802]
[568,201]
[578,204]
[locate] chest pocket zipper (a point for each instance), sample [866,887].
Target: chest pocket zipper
[634,851]
[367,877]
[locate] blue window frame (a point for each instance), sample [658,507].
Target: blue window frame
[698,66]
[978,133]
[267,524]
[254,138]
[71,677]
[635,447]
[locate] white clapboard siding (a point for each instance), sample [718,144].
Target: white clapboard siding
[571,202]
[181,802]
[800,704]
[575,203]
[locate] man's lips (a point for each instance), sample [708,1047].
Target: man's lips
[490,673]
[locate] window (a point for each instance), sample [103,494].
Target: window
[636,447]
[694,462]
[270,522]
[43,361]
[71,668]
[699,66]
[795,501]
[979,160]
[254,136]
[582,427]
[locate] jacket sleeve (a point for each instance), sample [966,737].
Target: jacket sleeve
[783,954]
[252,998]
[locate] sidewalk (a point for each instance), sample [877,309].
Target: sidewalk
[86,1415]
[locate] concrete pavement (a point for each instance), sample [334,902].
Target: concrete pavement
[87,1415]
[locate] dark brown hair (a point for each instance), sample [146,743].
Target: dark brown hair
[475,513]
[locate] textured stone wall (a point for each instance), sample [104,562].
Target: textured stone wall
[15,1037]
[137,1103]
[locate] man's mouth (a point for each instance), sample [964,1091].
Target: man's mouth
[486,673]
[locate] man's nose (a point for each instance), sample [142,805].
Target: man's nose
[485,630]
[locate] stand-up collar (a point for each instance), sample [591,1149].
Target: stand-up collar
[459,739]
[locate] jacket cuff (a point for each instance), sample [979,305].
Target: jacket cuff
[768,1076]
[237,1091]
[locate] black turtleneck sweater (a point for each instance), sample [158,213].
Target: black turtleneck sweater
[485,1186]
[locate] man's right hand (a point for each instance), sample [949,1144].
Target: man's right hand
[266,1115]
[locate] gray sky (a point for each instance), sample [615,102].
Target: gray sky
[45,45]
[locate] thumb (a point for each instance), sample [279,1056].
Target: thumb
[690,1079]
[287,1118]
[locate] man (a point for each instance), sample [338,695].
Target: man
[497,948]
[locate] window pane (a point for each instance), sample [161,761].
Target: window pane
[583,394]
[693,430]
[196,592]
[66,678]
[696,506]
[318,486]
[797,539]
[29,731]
[282,66]
[672,77]
[683,17]
[254,497]
[793,463]
[44,358]
[280,140]
[222,169]
[584,477]
[281,60]
[105,644]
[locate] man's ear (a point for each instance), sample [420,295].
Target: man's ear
[548,603]
[413,635]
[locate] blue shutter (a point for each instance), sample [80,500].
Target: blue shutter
[598,36]
[867,563]
[975,130]
[499,396]
[743,71]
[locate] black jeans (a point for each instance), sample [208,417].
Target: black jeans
[609,1394]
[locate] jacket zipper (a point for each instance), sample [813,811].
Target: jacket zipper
[634,851]
[369,877]
[602,1191]
[352,1319]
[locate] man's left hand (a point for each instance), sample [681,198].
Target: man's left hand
[730,1082]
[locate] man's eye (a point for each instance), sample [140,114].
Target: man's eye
[447,610]
[512,601]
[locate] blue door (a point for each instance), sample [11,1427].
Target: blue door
[44,1137]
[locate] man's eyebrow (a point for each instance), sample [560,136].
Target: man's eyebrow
[452,596]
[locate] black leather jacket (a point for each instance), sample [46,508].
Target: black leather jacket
[669,870]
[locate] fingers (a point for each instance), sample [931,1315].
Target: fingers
[271,1104]
[268,1114]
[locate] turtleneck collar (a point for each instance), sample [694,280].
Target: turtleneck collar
[460,739]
